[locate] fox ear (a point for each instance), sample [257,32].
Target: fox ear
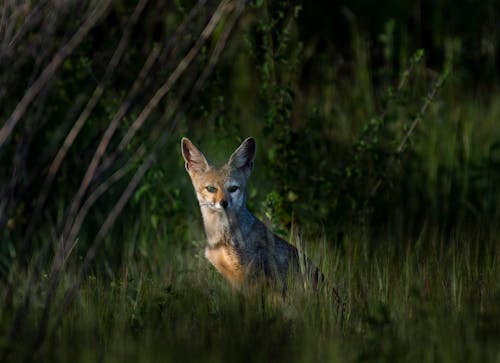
[195,160]
[243,156]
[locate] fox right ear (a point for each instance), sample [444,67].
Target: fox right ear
[244,155]
[194,158]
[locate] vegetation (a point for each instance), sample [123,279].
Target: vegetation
[378,154]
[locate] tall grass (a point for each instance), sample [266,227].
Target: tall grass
[435,298]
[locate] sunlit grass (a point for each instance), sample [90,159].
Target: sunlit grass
[433,300]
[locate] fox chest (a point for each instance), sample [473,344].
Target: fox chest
[227,262]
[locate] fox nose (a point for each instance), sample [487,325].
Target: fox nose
[223,204]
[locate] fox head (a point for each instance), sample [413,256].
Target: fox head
[220,189]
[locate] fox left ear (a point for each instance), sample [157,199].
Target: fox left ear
[243,156]
[194,158]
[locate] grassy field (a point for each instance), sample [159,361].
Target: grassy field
[436,298]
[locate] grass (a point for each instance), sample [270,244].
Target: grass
[433,299]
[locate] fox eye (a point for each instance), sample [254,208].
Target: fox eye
[211,189]
[233,188]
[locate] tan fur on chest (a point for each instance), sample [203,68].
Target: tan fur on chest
[227,263]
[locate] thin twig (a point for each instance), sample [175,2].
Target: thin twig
[50,70]
[79,123]
[143,116]
[219,47]
[181,29]
[224,6]
[214,58]
[100,151]
[100,190]
[429,99]
[29,20]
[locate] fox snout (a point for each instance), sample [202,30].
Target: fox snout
[223,203]
[221,200]
[215,201]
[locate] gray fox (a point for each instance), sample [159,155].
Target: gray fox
[239,245]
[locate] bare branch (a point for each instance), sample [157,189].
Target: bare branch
[79,123]
[428,101]
[50,70]
[137,124]
[224,7]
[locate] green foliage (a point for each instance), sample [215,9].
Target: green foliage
[277,52]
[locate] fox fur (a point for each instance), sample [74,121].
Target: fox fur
[239,245]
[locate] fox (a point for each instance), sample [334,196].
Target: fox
[240,246]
